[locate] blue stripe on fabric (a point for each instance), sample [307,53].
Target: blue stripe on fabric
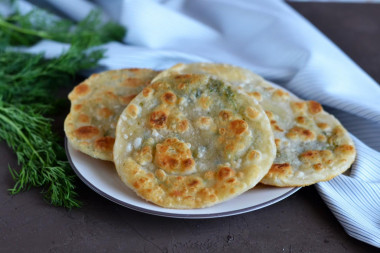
[354,206]
[352,226]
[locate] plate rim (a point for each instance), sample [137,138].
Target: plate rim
[172,215]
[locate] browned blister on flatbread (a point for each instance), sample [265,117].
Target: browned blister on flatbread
[312,145]
[96,104]
[191,141]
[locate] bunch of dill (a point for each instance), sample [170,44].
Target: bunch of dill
[28,83]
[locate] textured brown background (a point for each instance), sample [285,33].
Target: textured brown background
[300,223]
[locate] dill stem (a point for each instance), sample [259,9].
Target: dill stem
[16,28]
[21,134]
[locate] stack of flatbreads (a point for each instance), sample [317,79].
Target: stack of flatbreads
[199,134]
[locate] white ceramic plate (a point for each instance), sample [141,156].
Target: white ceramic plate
[101,176]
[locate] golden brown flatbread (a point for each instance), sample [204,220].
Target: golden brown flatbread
[191,141]
[312,145]
[96,104]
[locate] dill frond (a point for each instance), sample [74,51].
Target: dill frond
[42,159]
[27,87]
[39,24]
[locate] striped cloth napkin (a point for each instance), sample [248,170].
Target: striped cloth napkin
[276,42]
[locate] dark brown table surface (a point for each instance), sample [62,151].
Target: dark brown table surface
[300,223]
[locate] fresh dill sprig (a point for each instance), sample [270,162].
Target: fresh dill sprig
[38,151]
[27,92]
[38,24]
[31,79]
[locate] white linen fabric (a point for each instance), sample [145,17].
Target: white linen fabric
[273,40]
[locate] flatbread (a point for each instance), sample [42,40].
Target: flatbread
[312,145]
[96,104]
[191,141]
[232,74]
